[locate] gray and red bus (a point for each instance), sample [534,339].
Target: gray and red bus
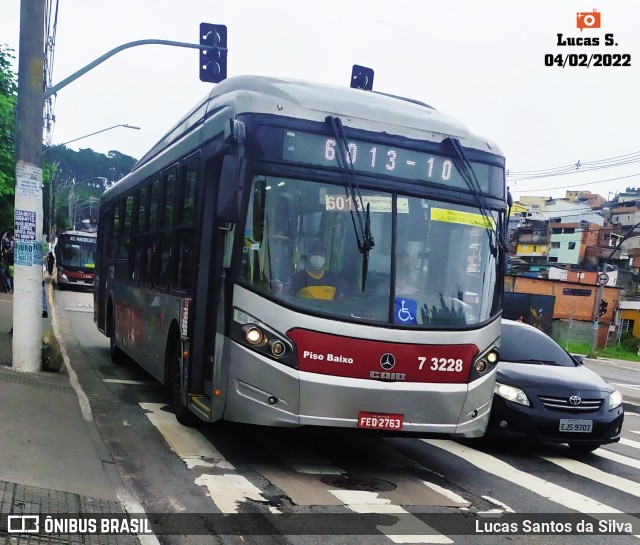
[202,247]
[75,253]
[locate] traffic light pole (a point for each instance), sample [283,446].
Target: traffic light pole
[54,89]
[596,319]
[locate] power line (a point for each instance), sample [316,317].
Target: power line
[574,185]
[575,168]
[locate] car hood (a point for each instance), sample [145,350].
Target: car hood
[550,376]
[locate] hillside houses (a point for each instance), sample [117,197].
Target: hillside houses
[564,246]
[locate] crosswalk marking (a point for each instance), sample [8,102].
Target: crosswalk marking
[228,490]
[630,443]
[410,529]
[552,492]
[189,444]
[619,458]
[585,470]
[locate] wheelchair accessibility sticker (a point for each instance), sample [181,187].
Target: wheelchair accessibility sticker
[405,311]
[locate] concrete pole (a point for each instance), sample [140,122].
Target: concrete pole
[27,293]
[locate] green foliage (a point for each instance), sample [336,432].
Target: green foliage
[8,99]
[78,178]
[628,342]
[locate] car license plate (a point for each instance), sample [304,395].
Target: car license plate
[376,421]
[579,426]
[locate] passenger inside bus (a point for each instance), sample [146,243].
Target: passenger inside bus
[314,282]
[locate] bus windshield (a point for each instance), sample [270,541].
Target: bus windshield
[431,266]
[76,251]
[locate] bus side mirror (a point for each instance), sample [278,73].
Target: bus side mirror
[230,188]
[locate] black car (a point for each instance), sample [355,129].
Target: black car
[543,393]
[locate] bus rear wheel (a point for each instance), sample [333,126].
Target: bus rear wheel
[183,414]
[117,355]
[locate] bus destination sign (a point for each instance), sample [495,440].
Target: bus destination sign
[375,158]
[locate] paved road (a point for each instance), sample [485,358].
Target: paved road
[323,484]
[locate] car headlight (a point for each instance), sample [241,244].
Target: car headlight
[615,399]
[511,393]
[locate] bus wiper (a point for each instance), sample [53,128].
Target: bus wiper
[469,176]
[362,230]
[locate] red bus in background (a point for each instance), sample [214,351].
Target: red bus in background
[75,254]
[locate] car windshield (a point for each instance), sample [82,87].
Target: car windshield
[430,267]
[521,344]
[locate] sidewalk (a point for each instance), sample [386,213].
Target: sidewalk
[52,458]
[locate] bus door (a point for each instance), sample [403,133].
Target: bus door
[102,270]
[207,372]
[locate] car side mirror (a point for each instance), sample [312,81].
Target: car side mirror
[578,359]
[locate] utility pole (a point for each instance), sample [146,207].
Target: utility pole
[27,308]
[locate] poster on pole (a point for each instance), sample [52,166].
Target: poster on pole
[28,181]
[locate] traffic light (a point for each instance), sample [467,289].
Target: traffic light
[603,307]
[213,62]
[361,77]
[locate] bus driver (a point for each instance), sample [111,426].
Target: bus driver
[314,282]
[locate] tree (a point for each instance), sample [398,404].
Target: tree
[8,99]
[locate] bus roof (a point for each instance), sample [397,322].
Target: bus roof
[366,110]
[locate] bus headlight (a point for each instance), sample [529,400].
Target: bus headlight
[253,334]
[484,363]
[261,338]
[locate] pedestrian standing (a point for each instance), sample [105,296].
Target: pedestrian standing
[50,262]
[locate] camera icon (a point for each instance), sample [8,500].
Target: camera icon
[588,19]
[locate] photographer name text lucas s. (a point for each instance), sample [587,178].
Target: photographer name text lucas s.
[580,41]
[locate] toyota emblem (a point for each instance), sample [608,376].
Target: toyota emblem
[387,361]
[575,400]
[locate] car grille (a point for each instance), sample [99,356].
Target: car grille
[563,404]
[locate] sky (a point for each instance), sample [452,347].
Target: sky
[484,63]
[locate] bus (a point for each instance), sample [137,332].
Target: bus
[251,261]
[75,253]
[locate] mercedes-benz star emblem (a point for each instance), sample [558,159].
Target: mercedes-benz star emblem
[575,400]
[387,361]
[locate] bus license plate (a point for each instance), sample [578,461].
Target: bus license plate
[375,421]
[580,426]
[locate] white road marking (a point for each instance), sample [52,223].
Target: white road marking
[505,508]
[187,443]
[548,490]
[126,381]
[619,458]
[446,493]
[629,442]
[229,490]
[413,530]
[588,472]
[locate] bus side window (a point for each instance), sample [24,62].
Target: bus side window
[115,231]
[149,247]
[185,231]
[138,233]
[165,238]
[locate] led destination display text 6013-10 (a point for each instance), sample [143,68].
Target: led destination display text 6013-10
[375,158]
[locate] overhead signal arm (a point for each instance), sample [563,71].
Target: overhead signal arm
[54,89]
